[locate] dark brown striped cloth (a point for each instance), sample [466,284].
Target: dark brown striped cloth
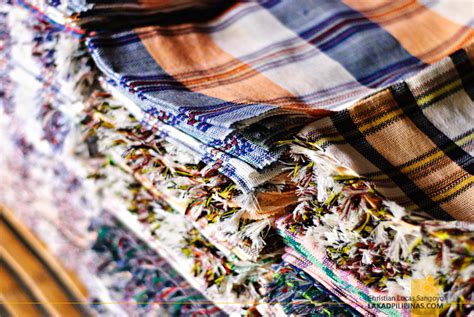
[413,139]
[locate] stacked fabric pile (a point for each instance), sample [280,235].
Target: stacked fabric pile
[319,131]
[349,227]
[47,190]
[47,178]
[43,183]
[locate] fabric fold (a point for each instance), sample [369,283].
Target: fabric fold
[413,140]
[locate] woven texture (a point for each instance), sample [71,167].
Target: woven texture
[350,290]
[202,67]
[413,139]
[238,91]
[259,121]
[150,280]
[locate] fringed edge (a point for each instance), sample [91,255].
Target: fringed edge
[244,279]
[376,239]
[208,195]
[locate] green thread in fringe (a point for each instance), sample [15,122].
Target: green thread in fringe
[302,250]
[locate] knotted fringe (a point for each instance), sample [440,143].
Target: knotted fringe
[208,196]
[376,240]
[245,279]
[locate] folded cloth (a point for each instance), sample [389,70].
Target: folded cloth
[82,16]
[413,140]
[225,95]
[343,285]
[363,243]
[456,273]
[174,176]
[346,233]
[227,86]
[242,174]
[220,275]
[242,80]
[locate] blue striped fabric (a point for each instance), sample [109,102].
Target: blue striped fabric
[371,54]
[257,72]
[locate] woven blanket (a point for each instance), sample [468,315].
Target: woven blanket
[413,140]
[342,222]
[259,71]
[221,276]
[173,176]
[233,88]
[236,92]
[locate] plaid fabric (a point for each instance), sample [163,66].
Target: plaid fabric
[225,91]
[232,88]
[413,140]
[237,90]
[243,174]
[82,16]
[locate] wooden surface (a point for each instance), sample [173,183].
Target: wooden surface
[32,281]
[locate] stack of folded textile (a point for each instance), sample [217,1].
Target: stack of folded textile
[335,135]
[44,179]
[397,144]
